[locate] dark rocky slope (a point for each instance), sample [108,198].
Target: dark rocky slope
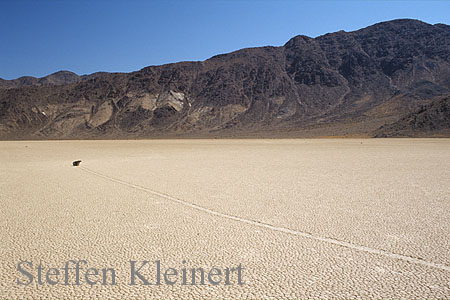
[338,84]
[429,120]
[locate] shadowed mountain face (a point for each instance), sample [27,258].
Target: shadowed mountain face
[338,84]
[429,120]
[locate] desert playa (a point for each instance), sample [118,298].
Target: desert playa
[306,218]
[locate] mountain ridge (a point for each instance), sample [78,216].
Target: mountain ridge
[337,84]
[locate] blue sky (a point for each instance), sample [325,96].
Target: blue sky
[39,37]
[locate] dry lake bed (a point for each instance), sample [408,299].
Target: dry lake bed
[297,219]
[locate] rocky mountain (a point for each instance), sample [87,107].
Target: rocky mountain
[58,78]
[338,84]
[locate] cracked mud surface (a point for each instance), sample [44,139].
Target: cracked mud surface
[305,218]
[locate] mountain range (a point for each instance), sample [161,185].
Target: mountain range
[391,79]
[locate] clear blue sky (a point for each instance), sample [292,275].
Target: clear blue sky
[39,37]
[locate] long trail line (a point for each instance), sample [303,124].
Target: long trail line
[308,235]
